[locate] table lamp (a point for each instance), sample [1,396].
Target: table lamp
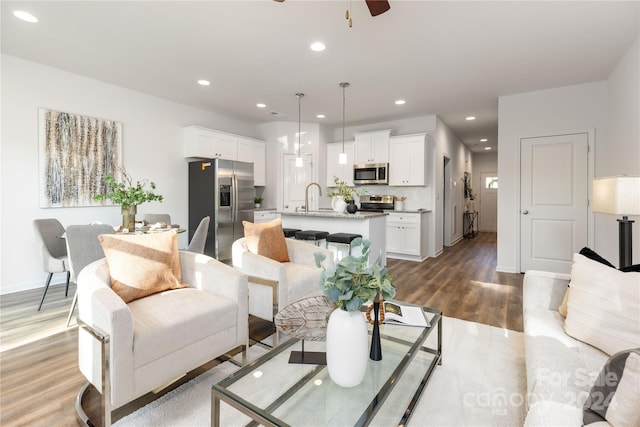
[619,195]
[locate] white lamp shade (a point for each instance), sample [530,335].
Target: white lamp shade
[618,195]
[299,162]
[342,158]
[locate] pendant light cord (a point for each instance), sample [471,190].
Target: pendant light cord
[343,108]
[299,95]
[344,86]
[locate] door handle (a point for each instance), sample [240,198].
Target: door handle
[525,212]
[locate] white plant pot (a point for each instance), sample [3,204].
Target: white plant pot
[399,206]
[338,204]
[347,347]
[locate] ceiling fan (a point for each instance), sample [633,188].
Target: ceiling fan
[376,7]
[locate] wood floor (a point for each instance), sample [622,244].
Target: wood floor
[39,377]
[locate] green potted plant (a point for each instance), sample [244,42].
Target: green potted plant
[257,201]
[343,193]
[128,195]
[349,284]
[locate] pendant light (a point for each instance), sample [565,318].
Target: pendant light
[299,162]
[342,158]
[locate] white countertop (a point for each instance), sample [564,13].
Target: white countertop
[333,214]
[408,211]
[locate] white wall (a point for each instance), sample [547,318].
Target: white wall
[547,112]
[151,150]
[622,156]
[461,161]
[281,138]
[601,106]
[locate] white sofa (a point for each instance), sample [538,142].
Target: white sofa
[157,339]
[560,369]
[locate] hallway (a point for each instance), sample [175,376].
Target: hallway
[463,283]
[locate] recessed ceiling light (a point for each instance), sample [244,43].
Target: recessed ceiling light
[318,46]
[204,82]
[321,116]
[261,105]
[484,140]
[400,102]
[25,16]
[487,148]
[471,118]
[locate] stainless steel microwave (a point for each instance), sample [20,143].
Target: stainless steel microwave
[375,173]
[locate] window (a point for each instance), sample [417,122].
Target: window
[491,183]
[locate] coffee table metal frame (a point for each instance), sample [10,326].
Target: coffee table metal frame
[220,391]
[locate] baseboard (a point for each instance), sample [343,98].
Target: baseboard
[501,269]
[457,240]
[29,286]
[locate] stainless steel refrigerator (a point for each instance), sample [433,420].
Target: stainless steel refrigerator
[223,190]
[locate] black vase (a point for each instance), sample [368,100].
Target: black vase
[376,348]
[351,207]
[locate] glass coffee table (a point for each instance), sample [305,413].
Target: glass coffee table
[272,392]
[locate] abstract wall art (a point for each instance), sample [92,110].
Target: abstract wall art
[76,154]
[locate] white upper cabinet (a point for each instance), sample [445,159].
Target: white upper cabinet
[203,143]
[343,172]
[227,147]
[208,144]
[254,151]
[372,147]
[407,160]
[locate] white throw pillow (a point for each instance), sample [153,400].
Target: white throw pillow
[604,306]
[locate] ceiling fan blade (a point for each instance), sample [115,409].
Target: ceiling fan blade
[378,7]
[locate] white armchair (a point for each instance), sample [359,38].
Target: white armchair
[273,284]
[154,340]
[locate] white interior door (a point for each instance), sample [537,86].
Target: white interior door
[296,180]
[488,214]
[553,201]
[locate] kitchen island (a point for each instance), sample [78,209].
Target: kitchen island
[371,225]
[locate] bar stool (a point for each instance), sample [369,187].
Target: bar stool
[314,236]
[290,232]
[341,239]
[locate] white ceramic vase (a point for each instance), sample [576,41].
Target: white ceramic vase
[338,204]
[347,347]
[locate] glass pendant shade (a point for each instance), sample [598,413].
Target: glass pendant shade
[342,158]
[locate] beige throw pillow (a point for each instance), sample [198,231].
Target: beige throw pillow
[266,239]
[603,306]
[142,264]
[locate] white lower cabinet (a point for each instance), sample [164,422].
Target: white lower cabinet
[407,235]
[264,216]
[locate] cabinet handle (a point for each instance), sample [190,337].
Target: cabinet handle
[525,212]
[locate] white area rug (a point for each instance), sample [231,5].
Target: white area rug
[480,383]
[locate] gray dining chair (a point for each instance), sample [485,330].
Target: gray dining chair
[199,239]
[49,233]
[154,218]
[83,248]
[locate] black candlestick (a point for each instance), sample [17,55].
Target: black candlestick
[376,349]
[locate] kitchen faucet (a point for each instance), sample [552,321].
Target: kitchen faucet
[306,194]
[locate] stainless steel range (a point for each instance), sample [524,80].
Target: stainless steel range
[373,203]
